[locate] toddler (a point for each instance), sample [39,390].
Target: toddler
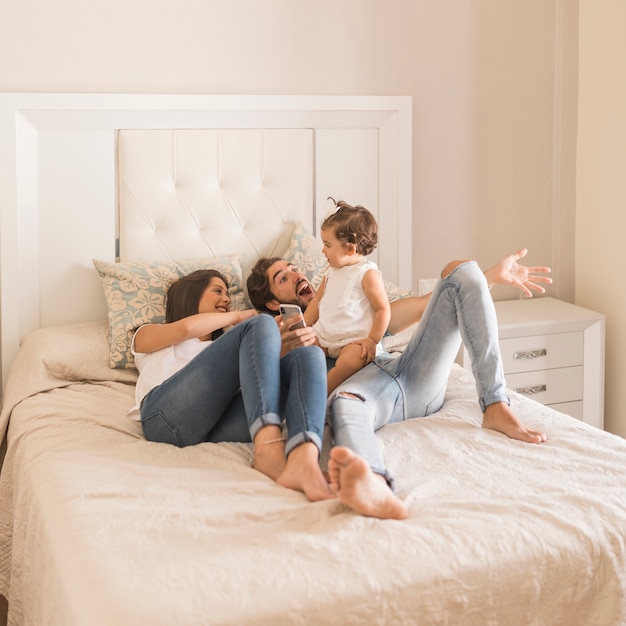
[350,312]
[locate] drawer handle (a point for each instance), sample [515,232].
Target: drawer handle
[531,391]
[531,354]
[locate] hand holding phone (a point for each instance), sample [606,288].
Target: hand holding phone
[292,316]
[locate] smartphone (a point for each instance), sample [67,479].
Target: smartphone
[294,313]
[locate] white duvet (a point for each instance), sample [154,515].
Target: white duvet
[99,527]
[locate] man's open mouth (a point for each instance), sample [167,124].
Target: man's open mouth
[303,288]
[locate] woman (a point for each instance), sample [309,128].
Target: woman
[195,381]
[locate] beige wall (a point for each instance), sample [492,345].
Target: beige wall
[601,189]
[495,93]
[482,76]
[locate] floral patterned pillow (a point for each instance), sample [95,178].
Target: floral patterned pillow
[394,292]
[305,252]
[135,295]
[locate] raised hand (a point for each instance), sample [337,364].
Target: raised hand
[527,279]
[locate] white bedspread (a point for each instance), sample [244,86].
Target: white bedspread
[99,527]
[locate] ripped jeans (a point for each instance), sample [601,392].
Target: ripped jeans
[414,384]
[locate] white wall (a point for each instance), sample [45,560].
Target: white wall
[601,189]
[482,75]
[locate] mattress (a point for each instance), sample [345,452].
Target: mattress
[100,527]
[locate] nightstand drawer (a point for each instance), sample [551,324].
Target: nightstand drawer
[560,346]
[538,352]
[549,386]
[575,409]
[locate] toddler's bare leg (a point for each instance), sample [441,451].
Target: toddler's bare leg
[348,362]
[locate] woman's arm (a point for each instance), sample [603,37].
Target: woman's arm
[153,337]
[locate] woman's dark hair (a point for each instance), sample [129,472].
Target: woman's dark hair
[353,224]
[183,296]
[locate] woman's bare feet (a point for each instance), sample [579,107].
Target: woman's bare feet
[303,473]
[269,452]
[500,417]
[352,479]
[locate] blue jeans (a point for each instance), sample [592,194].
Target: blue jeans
[414,384]
[236,386]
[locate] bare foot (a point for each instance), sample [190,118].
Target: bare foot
[269,452]
[303,473]
[500,417]
[352,479]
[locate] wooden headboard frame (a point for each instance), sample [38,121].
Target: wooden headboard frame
[58,184]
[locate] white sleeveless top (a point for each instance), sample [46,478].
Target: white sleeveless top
[155,367]
[345,313]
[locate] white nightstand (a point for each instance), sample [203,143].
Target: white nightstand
[553,352]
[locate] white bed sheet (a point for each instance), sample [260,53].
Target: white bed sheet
[100,527]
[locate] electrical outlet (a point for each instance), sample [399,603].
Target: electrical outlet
[426,285]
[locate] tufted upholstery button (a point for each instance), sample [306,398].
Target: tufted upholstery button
[202,193]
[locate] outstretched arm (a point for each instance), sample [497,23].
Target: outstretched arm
[507,271]
[153,337]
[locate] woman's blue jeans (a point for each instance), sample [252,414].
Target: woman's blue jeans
[236,386]
[414,384]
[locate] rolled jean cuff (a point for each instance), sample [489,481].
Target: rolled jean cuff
[492,398]
[391,483]
[269,419]
[303,437]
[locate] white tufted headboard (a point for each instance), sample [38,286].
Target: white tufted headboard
[202,193]
[77,171]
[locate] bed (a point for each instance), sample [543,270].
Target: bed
[100,527]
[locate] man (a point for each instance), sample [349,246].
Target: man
[391,390]
[274,281]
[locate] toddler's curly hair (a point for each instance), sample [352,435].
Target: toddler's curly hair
[353,225]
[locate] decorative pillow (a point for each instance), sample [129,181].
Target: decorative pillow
[135,295]
[305,252]
[394,292]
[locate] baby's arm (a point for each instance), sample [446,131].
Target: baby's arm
[312,312]
[153,337]
[374,289]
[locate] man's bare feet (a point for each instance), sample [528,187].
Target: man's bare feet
[359,488]
[269,452]
[303,473]
[500,417]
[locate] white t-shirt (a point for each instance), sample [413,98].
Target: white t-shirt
[155,367]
